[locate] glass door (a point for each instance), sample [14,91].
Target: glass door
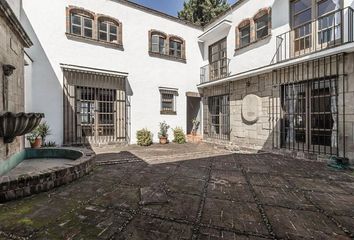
[218,60]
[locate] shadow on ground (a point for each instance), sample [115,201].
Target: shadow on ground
[235,196]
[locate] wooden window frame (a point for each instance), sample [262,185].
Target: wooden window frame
[82,26]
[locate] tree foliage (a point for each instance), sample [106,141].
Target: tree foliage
[202,11]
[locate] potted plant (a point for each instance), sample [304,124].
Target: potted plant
[195,126]
[34,139]
[44,131]
[163,132]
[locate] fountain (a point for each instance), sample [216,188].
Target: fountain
[15,124]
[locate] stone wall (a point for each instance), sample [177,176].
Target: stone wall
[255,122]
[11,52]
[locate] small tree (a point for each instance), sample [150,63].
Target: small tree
[202,11]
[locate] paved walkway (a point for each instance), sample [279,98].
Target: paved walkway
[225,197]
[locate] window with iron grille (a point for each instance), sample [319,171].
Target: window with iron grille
[310,115]
[168,101]
[218,119]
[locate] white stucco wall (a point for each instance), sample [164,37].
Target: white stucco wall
[146,73]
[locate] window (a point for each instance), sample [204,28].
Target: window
[158,43]
[262,26]
[81,25]
[310,115]
[245,36]
[168,101]
[176,48]
[218,60]
[108,31]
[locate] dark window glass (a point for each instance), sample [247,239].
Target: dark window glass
[245,37]
[262,26]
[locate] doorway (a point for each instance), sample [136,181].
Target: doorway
[193,112]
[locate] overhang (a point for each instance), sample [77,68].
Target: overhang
[220,29]
[76,68]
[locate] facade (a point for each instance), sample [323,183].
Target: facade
[275,75]
[288,79]
[13,40]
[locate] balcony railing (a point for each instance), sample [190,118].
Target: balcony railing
[330,30]
[215,71]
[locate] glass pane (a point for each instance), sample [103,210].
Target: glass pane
[88,32]
[245,31]
[162,45]
[103,36]
[88,23]
[76,19]
[245,41]
[112,38]
[262,22]
[302,18]
[113,29]
[327,6]
[300,5]
[103,26]
[76,30]
[262,33]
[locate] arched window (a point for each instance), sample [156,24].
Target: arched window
[262,23]
[176,45]
[244,33]
[109,30]
[81,22]
[158,42]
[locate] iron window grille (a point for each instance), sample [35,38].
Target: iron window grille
[168,101]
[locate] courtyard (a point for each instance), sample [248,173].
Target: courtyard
[213,195]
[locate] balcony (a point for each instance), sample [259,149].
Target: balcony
[331,30]
[215,71]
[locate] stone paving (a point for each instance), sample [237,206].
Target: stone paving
[235,196]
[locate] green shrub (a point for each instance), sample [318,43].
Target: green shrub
[144,137]
[179,136]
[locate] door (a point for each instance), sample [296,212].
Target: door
[219,117]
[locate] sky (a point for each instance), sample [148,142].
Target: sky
[170,7]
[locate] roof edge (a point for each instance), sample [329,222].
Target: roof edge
[6,11]
[158,13]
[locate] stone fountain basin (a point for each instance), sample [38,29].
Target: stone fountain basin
[18,124]
[37,170]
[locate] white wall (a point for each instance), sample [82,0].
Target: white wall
[146,73]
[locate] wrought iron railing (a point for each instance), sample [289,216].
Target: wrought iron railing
[215,71]
[330,30]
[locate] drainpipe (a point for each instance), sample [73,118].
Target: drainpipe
[7,72]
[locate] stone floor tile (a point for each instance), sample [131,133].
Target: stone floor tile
[228,177]
[314,184]
[185,185]
[283,197]
[200,173]
[229,191]
[297,224]
[268,180]
[179,206]
[233,215]
[126,197]
[213,234]
[333,203]
[147,228]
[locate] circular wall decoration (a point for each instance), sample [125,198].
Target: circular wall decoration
[251,108]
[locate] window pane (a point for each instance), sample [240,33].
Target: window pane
[103,26]
[327,6]
[76,30]
[262,21]
[76,19]
[113,29]
[88,23]
[162,45]
[113,38]
[103,36]
[300,5]
[88,32]
[302,18]
[262,33]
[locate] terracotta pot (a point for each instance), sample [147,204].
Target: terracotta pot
[163,140]
[194,133]
[37,143]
